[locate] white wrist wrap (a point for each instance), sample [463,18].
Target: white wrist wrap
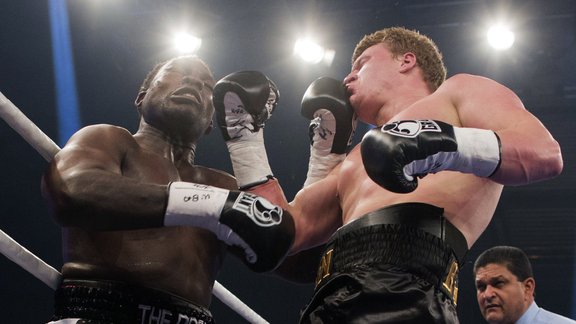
[321,160]
[249,159]
[321,164]
[246,147]
[191,204]
[478,151]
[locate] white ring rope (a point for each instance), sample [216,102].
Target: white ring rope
[31,263]
[40,269]
[27,129]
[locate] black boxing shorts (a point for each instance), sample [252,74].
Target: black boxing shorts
[398,264]
[115,302]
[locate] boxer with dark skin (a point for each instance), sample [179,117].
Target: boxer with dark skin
[109,191]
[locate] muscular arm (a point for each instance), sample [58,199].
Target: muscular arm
[318,210]
[86,186]
[315,209]
[529,152]
[317,214]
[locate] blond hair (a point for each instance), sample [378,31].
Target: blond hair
[400,41]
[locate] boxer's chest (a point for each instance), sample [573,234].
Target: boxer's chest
[149,167]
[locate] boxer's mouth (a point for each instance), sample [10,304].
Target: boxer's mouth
[186,94]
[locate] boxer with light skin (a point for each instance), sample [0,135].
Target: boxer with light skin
[398,213]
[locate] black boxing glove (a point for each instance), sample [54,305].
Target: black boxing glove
[262,230]
[332,125]
[244,101]
[395,154]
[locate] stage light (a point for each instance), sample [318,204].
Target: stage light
[311,52]
[64,75]
[328,56]
[500,37]
[186,43]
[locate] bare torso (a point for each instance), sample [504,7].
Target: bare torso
[181,260]
[468,201]
[528,154]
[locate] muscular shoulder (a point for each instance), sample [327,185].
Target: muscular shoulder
[102,130]
[480,101]
[97,143]
[101,147]
[102,134]
[468,84]
[465,79]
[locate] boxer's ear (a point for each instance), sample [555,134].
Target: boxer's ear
[139,98]
[407,61]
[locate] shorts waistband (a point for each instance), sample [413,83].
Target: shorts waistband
[415,237]
[425,217]
[116,302]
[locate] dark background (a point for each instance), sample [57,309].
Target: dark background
[115,43]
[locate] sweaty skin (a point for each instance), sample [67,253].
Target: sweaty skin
[384,88]
[108,191]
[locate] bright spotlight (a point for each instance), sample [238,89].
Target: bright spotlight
[186,43]
[309,51]
[500,37]
[329,57]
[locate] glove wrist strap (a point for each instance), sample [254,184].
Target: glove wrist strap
[194,205]
[321,164]
[479,151]
[249,160]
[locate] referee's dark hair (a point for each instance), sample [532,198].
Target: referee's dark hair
[515,260]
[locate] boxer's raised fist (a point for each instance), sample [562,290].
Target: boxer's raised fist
[333,121]
[244,101]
